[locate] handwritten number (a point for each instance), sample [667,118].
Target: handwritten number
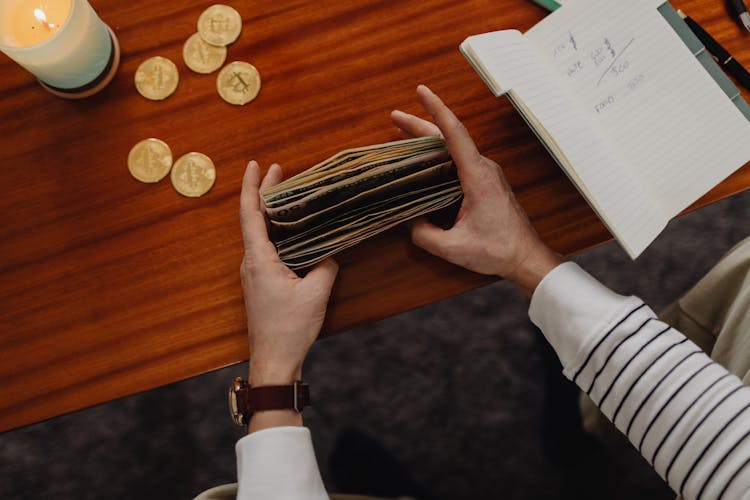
[604,104]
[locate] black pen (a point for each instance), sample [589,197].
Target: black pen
[719,53]
[740,10]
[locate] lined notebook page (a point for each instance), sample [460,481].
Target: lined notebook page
[506,60]
[660,111]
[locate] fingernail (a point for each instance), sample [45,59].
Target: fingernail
[397,112]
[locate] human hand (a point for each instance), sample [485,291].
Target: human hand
[491,233]
[284,312]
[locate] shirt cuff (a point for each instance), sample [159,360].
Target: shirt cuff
[278,463]
[570,306]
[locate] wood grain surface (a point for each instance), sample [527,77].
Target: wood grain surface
[109,286]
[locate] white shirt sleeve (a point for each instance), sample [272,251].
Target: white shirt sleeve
[687,416]
[278,463]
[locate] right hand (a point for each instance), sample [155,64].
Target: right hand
[491,234]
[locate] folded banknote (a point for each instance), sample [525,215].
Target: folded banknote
[356,194]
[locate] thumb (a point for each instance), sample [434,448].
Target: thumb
[323,275]
[428,236]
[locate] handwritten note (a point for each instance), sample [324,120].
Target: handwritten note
[584,57]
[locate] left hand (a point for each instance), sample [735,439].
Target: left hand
[491,233]
[284,312]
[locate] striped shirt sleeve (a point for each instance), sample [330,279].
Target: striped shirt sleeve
[687,416]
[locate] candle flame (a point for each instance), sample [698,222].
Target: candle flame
[42,18]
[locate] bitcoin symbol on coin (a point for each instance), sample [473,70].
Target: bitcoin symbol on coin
[156,77]
[190,175]
[240,85]
[220,23]
[146,159]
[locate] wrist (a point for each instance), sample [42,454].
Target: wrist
[533,267]
[263,374]
[274,418]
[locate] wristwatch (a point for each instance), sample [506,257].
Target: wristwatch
[245,400]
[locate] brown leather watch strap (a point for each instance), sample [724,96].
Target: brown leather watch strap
[273,397]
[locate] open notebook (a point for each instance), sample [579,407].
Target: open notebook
[623,105]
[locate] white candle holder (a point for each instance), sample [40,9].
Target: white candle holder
[76,61]
[98,83]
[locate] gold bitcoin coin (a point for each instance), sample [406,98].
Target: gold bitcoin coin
[203,57]
[156,78]
[150,160]
[238,83]
[193,174]
[219,25]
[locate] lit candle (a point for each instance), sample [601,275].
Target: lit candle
[61,42]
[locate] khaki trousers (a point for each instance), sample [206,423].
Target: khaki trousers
[229,492]
[715,314]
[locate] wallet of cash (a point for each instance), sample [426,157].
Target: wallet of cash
[356,194]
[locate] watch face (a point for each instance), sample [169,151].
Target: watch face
[232,401]
[234,410]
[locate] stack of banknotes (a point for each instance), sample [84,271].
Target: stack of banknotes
[356,194]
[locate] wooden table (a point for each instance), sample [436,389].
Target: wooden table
[109,286]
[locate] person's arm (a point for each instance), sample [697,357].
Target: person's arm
[284,316]
[684,413]
[687,416]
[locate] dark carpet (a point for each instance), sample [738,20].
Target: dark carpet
[463,393]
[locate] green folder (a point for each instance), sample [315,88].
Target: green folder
[704,57]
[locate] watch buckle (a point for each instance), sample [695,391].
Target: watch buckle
[296,392]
